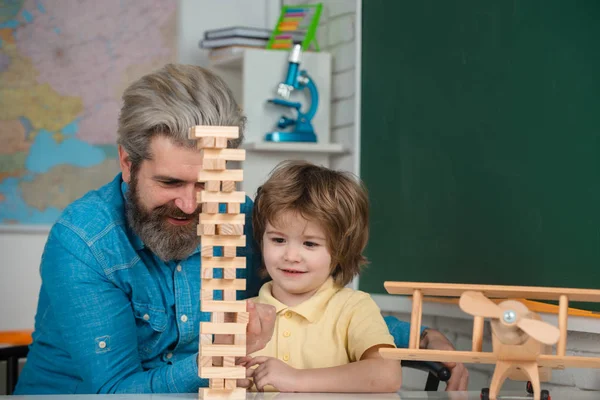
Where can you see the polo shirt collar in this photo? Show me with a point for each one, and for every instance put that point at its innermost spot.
(310, 309)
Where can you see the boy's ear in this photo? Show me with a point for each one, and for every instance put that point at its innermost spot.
(125, 164)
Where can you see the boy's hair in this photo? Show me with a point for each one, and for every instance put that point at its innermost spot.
(337, 201)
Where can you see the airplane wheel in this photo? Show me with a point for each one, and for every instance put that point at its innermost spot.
(545, 395)
(485, 394)
(529, 387)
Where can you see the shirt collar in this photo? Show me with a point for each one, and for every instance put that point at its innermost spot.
(310, 309)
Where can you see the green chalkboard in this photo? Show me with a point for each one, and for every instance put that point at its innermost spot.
(480, 141)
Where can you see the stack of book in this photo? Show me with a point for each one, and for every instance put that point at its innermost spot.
(236, 36)
(241, 36)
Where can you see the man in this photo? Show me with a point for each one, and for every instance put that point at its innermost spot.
(118, 309)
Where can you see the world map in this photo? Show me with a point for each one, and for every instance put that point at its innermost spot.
(63, 67)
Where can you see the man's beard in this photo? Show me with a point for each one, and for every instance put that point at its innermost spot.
(167, 241)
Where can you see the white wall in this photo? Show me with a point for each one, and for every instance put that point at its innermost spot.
(20, 255)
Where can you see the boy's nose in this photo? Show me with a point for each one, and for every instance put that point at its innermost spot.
(292, 254)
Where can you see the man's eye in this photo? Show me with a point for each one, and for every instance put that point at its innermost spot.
(170, 183)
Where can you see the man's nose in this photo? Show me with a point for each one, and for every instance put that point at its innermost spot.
(186, 201)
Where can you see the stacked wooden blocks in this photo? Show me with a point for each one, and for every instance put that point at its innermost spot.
(229, 317)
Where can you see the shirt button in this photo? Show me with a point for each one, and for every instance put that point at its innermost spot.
(286, 334)
(286, 357)
(169, 356)
(184, 318)
(146, 317)
(102, 344)
(288, 314)
(179, 268)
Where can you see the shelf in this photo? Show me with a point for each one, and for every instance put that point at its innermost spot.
(297, 147)
(233, 61)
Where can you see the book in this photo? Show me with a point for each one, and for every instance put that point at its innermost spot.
(233, 41)
(238, 31)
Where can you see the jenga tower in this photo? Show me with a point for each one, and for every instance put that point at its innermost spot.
(225, 230)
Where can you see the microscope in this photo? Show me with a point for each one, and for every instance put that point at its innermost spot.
(301, 127)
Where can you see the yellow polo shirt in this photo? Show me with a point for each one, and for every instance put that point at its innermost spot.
(334, 327)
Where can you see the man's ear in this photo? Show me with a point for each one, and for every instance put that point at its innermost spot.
(125, 164)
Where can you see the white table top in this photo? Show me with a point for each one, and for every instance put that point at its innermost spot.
(574, 394)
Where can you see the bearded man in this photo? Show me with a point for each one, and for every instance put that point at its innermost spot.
(119, 305)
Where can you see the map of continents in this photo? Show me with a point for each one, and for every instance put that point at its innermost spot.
(63, 67)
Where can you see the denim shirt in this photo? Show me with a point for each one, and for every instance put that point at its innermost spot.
(114, 318)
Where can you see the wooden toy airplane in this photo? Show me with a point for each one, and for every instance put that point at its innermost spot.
(521, 341)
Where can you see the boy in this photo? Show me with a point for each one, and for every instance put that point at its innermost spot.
(312, 226)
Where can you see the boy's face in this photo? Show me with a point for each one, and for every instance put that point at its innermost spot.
(296, 257)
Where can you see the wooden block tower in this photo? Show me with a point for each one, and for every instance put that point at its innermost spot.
(229, 317)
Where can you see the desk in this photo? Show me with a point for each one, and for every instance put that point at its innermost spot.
(574, 395)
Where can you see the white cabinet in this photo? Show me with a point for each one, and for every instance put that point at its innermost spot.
(253, 75)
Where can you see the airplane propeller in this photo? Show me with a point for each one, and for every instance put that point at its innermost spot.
(475, 303)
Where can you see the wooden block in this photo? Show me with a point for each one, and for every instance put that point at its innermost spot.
(210, 208)
(223, 154)
(229, 251)
(217, 317)
(224, 350)
(214, 383)
(207, 229)
(222, 262)
(239, 241)
(223, 284)
(230, 229)
(220, 142)
(236, 175)
(230, 384)
(223, 306)
(207, 251)
(229, 274)
(240, 339)
(224, 372)
(205, 362)
(229, 362)
(201, 131)
(238, 219)
(214, 164)
(223, 328)
(233, 208)
(220, 197)
(242, 318)
(206, 142)
(213, 186)
(206, 294)
(222, 394)
(228, 186)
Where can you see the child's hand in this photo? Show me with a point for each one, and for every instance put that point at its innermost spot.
(274, 372)
(244, 383)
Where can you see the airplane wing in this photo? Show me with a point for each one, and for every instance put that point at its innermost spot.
(469, 357)
(474, 357)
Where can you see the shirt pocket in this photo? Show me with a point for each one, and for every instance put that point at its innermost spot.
(151, 323)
